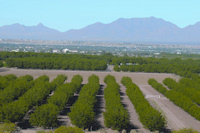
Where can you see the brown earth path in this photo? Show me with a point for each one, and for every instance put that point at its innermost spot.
(139, 78)
(177, 118)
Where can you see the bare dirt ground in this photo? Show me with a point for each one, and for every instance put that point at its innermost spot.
(176, 117)
(139, 78)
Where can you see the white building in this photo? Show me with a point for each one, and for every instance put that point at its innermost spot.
(56, 51)
(65, 50)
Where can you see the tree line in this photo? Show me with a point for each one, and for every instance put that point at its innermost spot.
(184, 67)
(73, 63)
(53, 61)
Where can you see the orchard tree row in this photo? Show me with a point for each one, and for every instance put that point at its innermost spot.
(16, 110)
(178, 98)
(16, 89)
(191, 93)
(149, 117)
(6, 80)
(157, 86)
(82, 112)
(115, 116)
(189, 83)
(46, 114)
(1, 63)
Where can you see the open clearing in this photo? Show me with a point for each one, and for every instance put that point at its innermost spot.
(176, 117)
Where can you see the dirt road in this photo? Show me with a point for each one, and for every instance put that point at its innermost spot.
(177, 118)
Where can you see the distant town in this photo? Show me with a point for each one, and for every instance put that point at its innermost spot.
(97, 48)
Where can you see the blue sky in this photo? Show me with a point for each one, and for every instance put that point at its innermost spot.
(75, 14)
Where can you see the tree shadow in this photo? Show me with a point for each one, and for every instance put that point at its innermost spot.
(98, 109)
(80, 88)
(122, 93)
(71, 101)
(165, 130)
(130, 126)
(63, 113)
(25, 124)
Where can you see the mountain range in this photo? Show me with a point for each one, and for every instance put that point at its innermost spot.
(139, 30)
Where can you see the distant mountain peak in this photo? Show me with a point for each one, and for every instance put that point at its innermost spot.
(139, 30)
(40, 25)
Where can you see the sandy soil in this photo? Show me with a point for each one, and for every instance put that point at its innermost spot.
(177, 118)
(138, 78)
